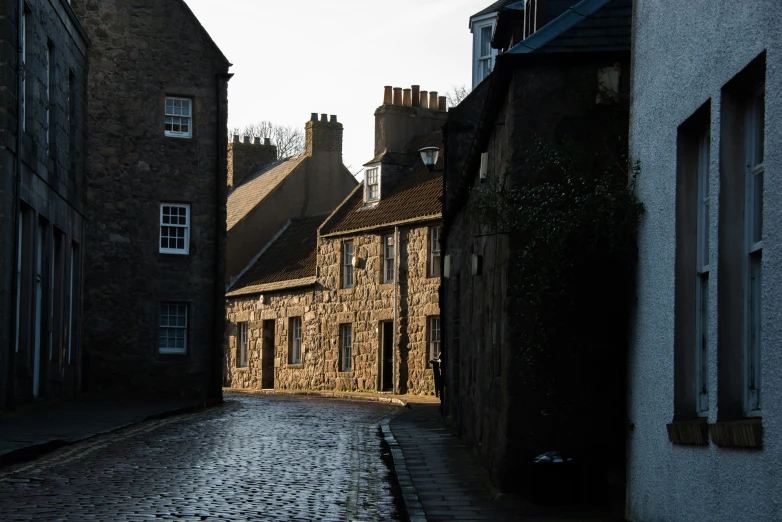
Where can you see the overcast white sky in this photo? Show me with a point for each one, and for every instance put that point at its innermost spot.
(295, 57)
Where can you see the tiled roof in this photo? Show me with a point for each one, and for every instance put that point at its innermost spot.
(292, 255)
(246, 196)
(590, 25)
(415, 197)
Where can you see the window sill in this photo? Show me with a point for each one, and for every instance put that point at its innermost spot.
(294, 366)
(346, 291)
(344, 372)
(693, 432)
(241, 368)
(745, 433)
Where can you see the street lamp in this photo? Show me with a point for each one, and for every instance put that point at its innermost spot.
(429, 156)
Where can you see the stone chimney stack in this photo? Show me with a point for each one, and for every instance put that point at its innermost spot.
(323, 136)
(406, 113)
(247, 157)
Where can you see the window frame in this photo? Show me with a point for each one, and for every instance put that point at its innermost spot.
(168, 350)
(294, 336)
(433, 342)
(372, 173)
(702, 275)
(389, 263)
(346, 347)
(177, 251)
(181, 118)
(484, 62)
(753, 255)
(434, 255)
(243, 345)
(348, 274)
(23, 30)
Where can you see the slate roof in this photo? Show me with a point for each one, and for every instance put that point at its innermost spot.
(290, 257)
(415, 197)
(588, 26)
(256, 187)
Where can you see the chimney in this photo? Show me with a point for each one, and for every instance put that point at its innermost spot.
(432, 100)
(387, 95)
(323, 136)
(416, 95)
(397, 96)
(248, 157)
(407, 101)
(424, 101)
(442, 103)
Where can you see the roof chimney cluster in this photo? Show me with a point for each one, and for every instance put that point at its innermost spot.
(255, 140)
(323, 117)
(414, 97)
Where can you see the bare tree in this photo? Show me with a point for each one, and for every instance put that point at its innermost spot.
(289, 140)
(456, 94)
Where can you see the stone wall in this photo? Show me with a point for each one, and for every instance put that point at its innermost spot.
(45, 181)
(326, 306)
(144, 51)
(247, 158)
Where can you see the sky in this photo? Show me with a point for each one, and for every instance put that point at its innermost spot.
(292, 58)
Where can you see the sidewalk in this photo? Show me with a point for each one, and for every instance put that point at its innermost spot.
(441, 480)
(33, 430)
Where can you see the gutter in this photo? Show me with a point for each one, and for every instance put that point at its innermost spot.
(396, 305)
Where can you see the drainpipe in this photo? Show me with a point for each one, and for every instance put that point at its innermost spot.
(218, 328)
(17, 194)
(396, 303)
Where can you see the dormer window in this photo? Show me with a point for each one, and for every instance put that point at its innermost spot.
(372, 185)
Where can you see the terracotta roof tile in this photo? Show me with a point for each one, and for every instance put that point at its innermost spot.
(292, 255)
(246, 196)
(416, 196)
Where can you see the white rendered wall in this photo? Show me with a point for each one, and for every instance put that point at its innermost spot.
(683, 53)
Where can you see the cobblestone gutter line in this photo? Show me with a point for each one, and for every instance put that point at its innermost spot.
(375, 397)
(413, 506)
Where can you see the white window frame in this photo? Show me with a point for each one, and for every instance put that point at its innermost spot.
(346, 347)
(177, 116)
(181, 309)
(372, 177)
(242, 345)
(434, 251)
(294, 340)
(389, 261)
(702, 278)
(753, 233)
(485, 62)
(179, 226)
(348, 253)
(433, 341)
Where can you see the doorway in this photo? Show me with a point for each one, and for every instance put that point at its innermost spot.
(267, 355)
(387, 356)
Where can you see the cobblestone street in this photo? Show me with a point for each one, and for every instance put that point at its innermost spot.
(254, 458)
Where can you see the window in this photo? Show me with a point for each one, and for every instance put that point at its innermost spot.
(388, 259)
(702, 278)
(294, 340)
(173, 328)
(434, 340)
(49, 91)
(485, 58)
(20, 235)
(373, 184)
(347, 264)
(754, 128)
(174, 228)
(434, 252)
(241, 353)
(23, 37)
(345, 347)
(179, 117)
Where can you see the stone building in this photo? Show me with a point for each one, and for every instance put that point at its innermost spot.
(43, 87)
(265, 194)
(705, 372)
(155, 200)
(349, 301)
(545, 86)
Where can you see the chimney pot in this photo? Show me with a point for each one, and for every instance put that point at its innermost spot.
(314, 116)
(256, 140)
(387, 95)
(442, 104)
(424, 102)
(246, 139)
(267, 141)
(416, 96)
(333, 118)
(397, 96)
(324, 117)
(235, 138)
(432, 100)
(406, 100)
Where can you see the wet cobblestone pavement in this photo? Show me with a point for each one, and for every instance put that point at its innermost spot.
(254, 458)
